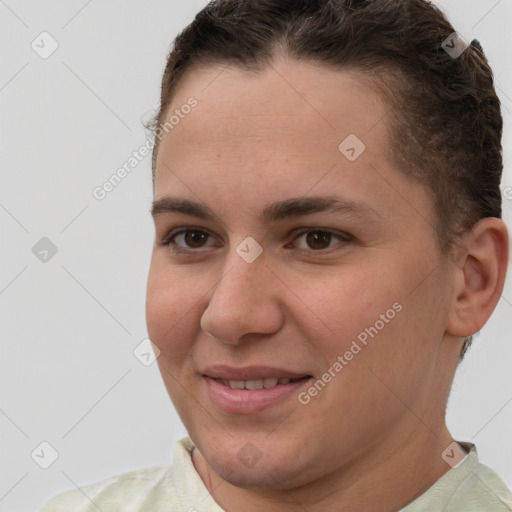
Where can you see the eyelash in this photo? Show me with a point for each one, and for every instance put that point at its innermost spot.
(168, 239)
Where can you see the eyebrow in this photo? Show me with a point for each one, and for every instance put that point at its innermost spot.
(293, 207)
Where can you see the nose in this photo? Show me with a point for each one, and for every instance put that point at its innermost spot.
(244, 301)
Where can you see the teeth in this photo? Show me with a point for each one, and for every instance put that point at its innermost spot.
(254, 384)
(237, 384)
(268, 382)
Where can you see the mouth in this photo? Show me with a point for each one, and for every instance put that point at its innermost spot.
(251, 390)
(254, 384)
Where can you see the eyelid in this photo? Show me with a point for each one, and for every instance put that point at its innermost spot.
(343, 236)
(340, 234)
(166, 240)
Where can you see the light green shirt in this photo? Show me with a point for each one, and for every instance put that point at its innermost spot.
(177, 487)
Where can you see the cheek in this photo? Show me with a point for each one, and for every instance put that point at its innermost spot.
(169, 310)
(389, 339)
(341, 303)
(371, 319)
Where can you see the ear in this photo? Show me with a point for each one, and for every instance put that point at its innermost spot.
(480, 272)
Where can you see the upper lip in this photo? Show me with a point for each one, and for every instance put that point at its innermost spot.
(250, 372)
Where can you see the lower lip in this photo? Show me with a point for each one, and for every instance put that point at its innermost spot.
(243, 401)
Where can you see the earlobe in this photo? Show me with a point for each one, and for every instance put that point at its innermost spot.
(479, 277)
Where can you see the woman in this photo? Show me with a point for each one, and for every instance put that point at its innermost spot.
(328, 239)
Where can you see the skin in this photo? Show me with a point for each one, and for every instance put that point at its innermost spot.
(372, 438)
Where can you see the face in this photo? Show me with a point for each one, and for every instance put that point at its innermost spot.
(302, 260)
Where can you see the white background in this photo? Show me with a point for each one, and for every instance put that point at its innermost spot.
(69, 326)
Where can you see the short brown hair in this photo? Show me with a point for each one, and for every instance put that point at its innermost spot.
(445, 121)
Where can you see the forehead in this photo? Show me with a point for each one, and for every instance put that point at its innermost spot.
(290, 110)
(283, 130)
(304, 99)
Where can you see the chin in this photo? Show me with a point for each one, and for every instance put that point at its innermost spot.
(244, 465)
(271, 475)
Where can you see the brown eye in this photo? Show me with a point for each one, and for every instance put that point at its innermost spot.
(320, 239)
(186, 240)
(195, 239)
